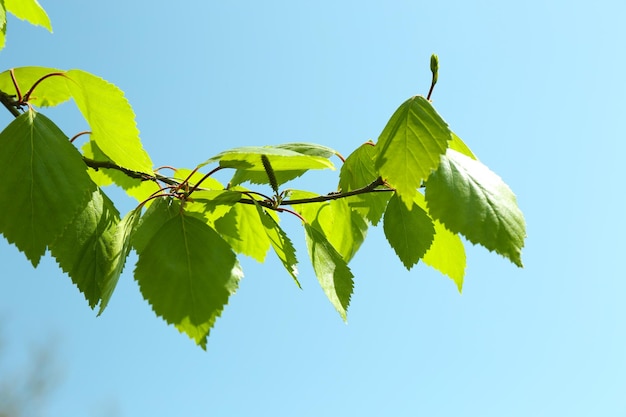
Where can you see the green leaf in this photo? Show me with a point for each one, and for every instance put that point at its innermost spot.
(216, 197)
(312, 149)
(243, 229)
(159, 212)
(49, 92)
(409, 231)
(358, 171)
(256, 177)
(470, 199)
(121, 249)
(44, 181)
(111, 119)
(30, 11)
(344, 228)
(186, 271)
(249, 158)
(3, 26)
(331, 270)
(282, 245)
(94, 247)
(410, 146)
(134, 187)
(303, 156)
(212, 205)
(458, 145)
(86, 248)
(103, 105)
(446, 254)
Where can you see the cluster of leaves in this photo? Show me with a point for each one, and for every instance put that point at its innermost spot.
(419, 179)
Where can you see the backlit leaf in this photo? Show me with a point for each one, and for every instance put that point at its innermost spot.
(410, 146)
(331, 270)
(410, 232)
(305, 148)
(134, 187)
(254, 175)
(282, 245)
(44, 183)
(243, 229)
(446, 254)
(257, 177)
(86, 248)
(344, 228)
(249, 158)
(458, 145)
(161, 210)
(51, 91)
(121, 249)
(470, 199)
(111, 119)
(186, 271)
(106, 110)
(30, 11)
(3, 27)
(358, 171)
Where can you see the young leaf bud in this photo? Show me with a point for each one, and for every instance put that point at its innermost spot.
(434, 67)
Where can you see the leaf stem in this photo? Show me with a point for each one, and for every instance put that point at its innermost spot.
(281, 210)
(16, 85)
(76, 136)
(213, 171)
(29, 92)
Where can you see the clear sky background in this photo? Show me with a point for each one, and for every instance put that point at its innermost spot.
(535, 88)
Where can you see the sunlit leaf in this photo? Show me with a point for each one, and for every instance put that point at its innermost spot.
(51, 91)
(447, 253)
(111, 119)
(3, 27)
(134, 187)
(282, 176)
(357, 172)
(86, 248)
(186, 271)
(212, 204)
(344, 228)
(44, 183)
(470, 199)
(249, 158)
(153, 219)
(331, 270)
(312, 149)
(244, 231)
(410, 146)
(106, 110)
(121, 249)
(410, 232)
(458, 145)
(257, 177)
(30, 11)
(282, 245)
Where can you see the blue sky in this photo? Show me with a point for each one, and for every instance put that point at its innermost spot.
(536, 90)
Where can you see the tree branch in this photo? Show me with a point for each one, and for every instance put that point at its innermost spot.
(370, 188)
(128, 172)
(9, 102)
